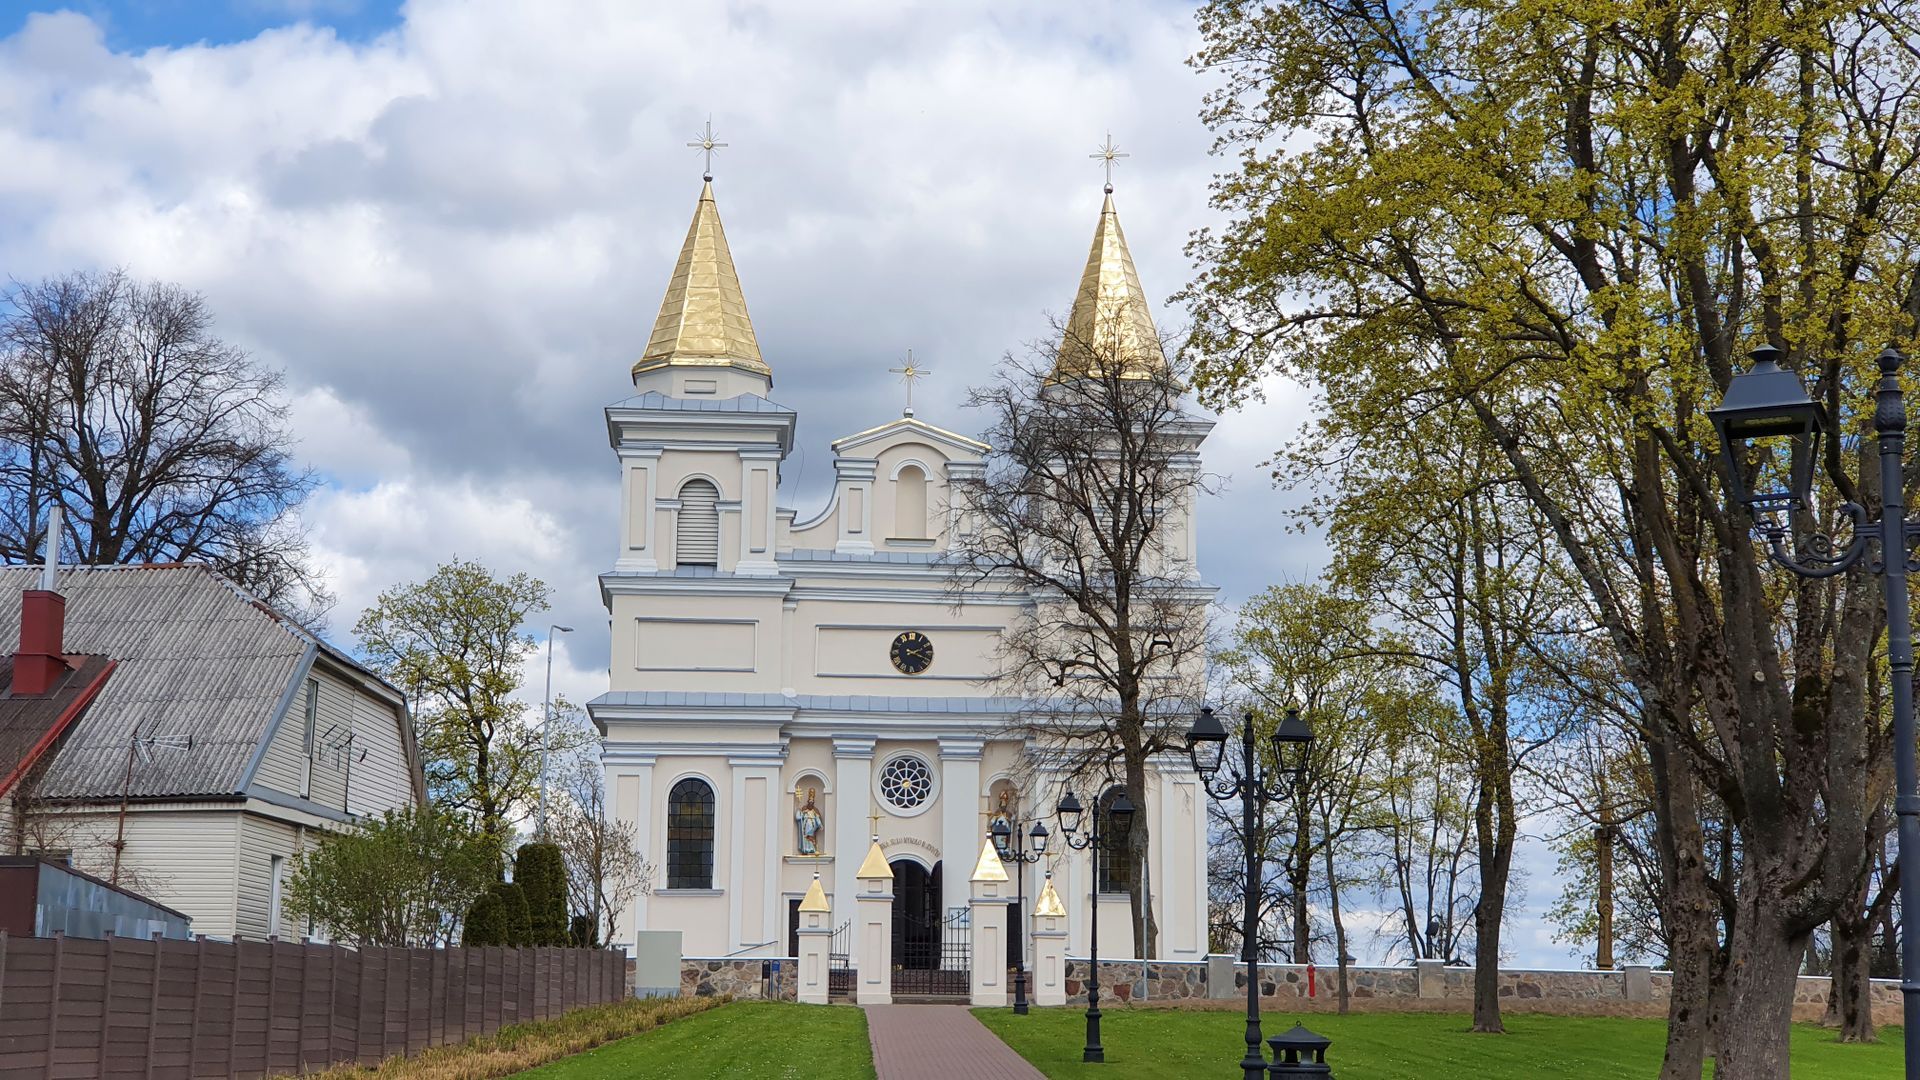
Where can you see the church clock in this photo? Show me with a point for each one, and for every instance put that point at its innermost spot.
(912, 652)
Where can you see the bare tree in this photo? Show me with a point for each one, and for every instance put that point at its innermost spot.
(162, 442)
(605, 871)
(1086, 506)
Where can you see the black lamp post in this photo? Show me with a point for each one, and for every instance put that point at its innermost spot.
(1767, 404)
(1207, 746)
(1008, 842)
(1122, 813)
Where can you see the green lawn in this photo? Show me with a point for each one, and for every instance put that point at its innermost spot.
(1396, 1046)
(757, 1039)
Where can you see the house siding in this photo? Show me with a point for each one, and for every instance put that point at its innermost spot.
(280, 766)
(382, 780)
(182, 857)
(261, 838)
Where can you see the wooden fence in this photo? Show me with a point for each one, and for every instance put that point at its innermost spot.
(124, 1007)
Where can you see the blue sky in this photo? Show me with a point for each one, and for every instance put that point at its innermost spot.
(135, 25)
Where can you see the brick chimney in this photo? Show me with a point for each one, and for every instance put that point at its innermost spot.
(43, 621)
(43, 626)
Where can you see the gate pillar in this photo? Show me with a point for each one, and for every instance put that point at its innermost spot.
(989, 922)
(1049, 947)
(816, 939)
(873, 929)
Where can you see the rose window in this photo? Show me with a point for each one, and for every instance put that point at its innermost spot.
(906, 782)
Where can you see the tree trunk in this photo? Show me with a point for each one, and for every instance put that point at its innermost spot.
(1762, 975)
(1692, 934)
(1486, 951)
(1339, 930)
(1139, 904)
(1603, 898)
(1850, 1001)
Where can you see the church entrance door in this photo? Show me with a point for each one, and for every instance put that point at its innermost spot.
(931, 949)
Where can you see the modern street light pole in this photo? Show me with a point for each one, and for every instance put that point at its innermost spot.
(1206, 746)
(1769, 402)
(546, 723)
(1012, 847)
(1122, 812)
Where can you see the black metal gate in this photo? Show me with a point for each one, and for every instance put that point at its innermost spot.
(840, 972)
(932, 956)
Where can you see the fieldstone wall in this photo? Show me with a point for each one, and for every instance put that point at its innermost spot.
(1221, 982)
(747, 979)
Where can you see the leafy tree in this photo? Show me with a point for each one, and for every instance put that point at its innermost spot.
(454, 644)
(1564, 225)
(403, 878)
(1081, 507)
(542, 877)
(159, 441)
(500, 916)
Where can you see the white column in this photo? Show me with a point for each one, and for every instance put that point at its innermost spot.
(638, 504)
(629, 780)
(852, 790)
(961, 825)
(873, 930)
(1049, 948)
(816, 940)
(758, 480)
(753, 881)
(988, 922)
(855, 477)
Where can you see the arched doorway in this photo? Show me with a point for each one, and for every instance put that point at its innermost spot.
(916, 915)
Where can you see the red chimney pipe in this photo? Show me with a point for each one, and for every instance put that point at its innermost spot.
(43, 623)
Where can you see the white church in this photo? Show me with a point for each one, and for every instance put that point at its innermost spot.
(786, 689)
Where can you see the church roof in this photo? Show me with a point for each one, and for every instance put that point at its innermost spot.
(1111, 320)
(743, 403)
(703, 319)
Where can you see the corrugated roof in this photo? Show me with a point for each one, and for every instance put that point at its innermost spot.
(25, 721)
(197, 657)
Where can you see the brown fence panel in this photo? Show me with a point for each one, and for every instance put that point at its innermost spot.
(130, 1008)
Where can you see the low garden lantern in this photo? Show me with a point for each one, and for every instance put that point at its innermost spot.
(1299, 1053)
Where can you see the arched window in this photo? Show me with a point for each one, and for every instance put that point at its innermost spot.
(690, 835)
(697, 540)
(910, 503)
(1116, 856)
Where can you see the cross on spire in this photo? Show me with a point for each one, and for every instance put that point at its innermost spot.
(908, 374)
(1108, 152)
(707, 146)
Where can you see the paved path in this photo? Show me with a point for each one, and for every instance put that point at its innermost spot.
(929, 1042)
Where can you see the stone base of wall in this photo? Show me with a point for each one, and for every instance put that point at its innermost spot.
(746, 979)
(1189, 984)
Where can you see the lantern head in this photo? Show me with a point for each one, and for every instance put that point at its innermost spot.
(1206, 744)
(1767, 422)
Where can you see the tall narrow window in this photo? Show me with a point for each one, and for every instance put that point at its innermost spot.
(690, 835)
(1116, 855)
(697, 540)
(311, 720)
(277, 870)
(910, 503)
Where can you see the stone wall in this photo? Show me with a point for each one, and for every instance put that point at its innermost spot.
(1221, 981)
(747, 979)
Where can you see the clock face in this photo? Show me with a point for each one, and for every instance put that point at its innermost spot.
(912, 652)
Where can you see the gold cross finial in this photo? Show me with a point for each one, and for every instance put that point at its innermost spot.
(1108, 152)
(908, 374)
(875, 819)
(707, 146)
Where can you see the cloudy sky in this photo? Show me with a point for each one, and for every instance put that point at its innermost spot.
(451, 223)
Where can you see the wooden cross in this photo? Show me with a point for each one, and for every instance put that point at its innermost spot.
(1108, 152)
(707, 146)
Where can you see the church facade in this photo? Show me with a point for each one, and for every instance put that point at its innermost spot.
(787, 690)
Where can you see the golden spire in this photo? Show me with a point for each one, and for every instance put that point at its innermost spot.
(703, 320)
(989, 868)
(875, 865)
(1111, 321)
(816, 898)
(1049, 900)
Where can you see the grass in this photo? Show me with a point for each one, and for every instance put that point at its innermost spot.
(1397, 1046)
(758, 1039)
(522, 1046)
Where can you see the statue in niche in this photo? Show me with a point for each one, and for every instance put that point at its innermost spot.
(812, 826)
(1002, 815)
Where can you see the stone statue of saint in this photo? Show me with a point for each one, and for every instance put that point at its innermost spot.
(1002, 815)
(811, 825)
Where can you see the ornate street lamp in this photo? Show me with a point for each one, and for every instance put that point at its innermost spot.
(1292, 742)
(1762, 407)
(1007, 841)
(1121, 812)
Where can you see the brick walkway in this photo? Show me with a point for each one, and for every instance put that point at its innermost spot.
(929, 1042)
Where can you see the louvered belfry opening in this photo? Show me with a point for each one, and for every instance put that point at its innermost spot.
(697, 537)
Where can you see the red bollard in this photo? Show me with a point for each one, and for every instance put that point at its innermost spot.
(1309, 980)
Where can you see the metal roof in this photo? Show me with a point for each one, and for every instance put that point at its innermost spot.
(197, 657)
(744, 403)
(696, 699)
